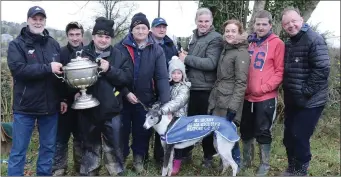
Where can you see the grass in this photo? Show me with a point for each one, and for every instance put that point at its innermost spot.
(325, 147)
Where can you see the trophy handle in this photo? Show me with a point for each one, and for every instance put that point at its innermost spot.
(99, 71)
(59, 77)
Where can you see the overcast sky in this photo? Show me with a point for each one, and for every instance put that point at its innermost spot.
(178, 14)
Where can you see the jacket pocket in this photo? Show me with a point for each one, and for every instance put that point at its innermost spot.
(32, 98)
(223, 97)
(254, 85)
(209, 77)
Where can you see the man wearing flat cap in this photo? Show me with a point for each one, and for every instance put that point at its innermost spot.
(34, 59)
(104, 120)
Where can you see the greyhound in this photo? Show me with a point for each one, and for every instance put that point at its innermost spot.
(161, 124)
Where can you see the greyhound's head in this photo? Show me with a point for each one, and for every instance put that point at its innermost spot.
(152, 118)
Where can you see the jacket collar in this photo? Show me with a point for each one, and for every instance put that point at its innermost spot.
(130, 41)
(167, 40)
(90, 49)
(71, 48)
(30, 38)
(305, 27)
(197, 34)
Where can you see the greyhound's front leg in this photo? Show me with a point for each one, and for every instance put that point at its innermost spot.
(170, 163)
(168, 149)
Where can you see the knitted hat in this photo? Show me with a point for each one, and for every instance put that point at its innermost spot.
(104, 26)
(137, 19)
(174, 64)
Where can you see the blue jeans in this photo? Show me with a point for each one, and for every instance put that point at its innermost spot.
(23, 126)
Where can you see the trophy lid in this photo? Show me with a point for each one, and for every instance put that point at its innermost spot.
(79, 63)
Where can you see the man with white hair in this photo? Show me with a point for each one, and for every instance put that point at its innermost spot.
(34, 59)
(201, 61)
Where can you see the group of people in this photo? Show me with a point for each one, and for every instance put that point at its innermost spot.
(233, 75)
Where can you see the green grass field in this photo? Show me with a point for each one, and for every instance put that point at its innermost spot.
(325, 147)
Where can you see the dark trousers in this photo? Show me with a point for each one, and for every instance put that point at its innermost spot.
(67, 125)
(198, 105)
(133, 117)
(257, 120)
(110, 131)
(299, 125)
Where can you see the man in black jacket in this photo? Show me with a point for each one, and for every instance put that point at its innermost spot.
(34, 59)
(67, 123)
(305, 84)
(105, 118)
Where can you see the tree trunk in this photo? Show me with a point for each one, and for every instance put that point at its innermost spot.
(246, 12)
(257, 6)
(310, 6)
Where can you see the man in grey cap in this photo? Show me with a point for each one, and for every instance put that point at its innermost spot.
(159, 34)
(34, 59)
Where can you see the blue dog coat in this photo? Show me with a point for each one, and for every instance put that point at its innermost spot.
(195, 127)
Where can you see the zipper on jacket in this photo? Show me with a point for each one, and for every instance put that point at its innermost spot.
(46, 96)
(22, 95)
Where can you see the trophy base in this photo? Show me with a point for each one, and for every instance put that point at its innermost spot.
(85, 102)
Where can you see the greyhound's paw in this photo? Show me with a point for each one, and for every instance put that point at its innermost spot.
(170, 171)
(223, 171)
(164, 171)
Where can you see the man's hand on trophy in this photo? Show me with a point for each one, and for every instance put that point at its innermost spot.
(132, 98)
(56, 67)
(63, 107)
(104, 65)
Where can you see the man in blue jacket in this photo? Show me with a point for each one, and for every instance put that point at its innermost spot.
(305, 85)
(34, 59)
(159, 34)
(150, 76)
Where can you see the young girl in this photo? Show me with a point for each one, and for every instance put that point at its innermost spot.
(177, 107)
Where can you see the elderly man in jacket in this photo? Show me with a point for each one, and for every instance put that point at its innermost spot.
(201, 61)
(305, 85)
(150, 77)
(34, 59)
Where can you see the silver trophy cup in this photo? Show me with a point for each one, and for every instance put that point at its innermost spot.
(81, 73)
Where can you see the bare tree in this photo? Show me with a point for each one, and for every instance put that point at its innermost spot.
(120, 12)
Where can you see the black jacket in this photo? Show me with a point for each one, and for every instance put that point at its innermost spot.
(36, 89)
(119, 75)
(306, 70)
(66, 54)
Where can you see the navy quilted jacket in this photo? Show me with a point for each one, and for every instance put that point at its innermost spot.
(306, 70)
